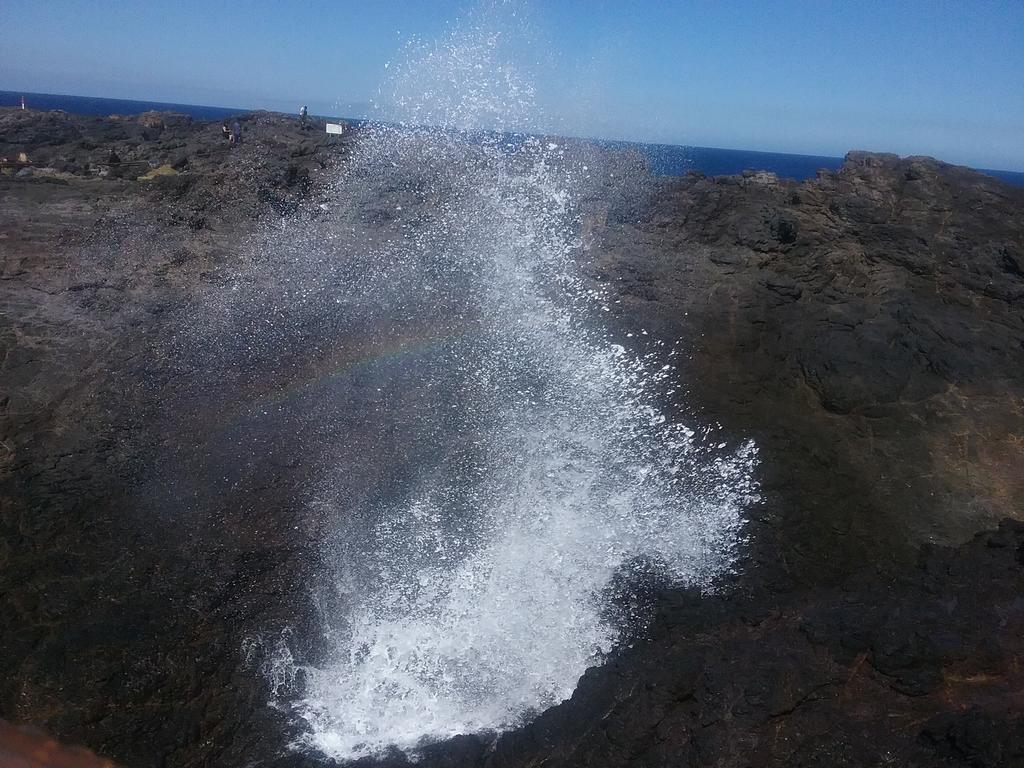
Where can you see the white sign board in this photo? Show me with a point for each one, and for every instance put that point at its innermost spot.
(335, 128)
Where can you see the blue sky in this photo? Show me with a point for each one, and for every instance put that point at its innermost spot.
(817, 77)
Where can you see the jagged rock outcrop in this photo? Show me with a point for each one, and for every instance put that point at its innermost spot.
(864, 327)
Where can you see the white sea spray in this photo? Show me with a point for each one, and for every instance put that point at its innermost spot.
(479, 596)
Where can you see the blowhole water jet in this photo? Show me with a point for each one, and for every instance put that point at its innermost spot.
(478, 589)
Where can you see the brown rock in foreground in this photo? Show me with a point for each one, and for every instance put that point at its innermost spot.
(26, 748)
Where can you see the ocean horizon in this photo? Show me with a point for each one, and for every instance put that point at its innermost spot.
(664, 159)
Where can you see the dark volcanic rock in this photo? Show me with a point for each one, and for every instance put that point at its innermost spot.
(125, 624)
(864, 328)
(870, 345)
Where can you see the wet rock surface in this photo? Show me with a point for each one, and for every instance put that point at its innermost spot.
(864, 328)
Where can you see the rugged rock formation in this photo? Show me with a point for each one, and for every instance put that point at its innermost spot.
(864, 328)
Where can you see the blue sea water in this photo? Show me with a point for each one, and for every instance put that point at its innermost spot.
(665, 159)
(88, 105)
(674, 160)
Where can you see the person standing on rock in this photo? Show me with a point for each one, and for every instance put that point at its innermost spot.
(236, 133)
(303, 112)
